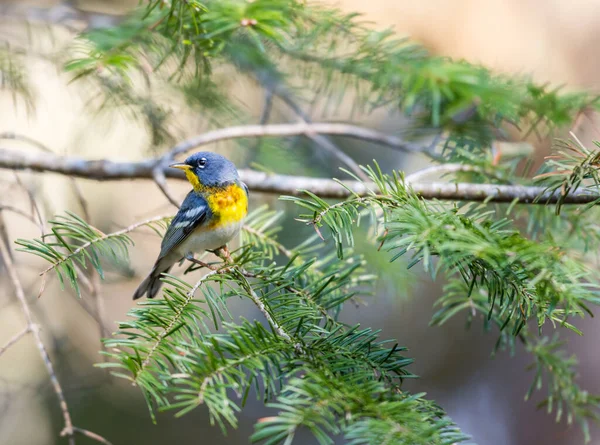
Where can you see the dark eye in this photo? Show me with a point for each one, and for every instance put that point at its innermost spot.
(202, 162)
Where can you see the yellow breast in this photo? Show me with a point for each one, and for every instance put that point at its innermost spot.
(228, 205)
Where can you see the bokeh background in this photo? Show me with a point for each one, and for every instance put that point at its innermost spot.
(554, 41)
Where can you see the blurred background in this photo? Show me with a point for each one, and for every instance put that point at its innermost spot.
(555, 41)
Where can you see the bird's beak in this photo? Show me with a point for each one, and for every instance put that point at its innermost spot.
(181, 166)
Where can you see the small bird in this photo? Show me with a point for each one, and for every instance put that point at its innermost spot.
(209, 217)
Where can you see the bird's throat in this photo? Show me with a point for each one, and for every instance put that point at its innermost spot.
(193, 179)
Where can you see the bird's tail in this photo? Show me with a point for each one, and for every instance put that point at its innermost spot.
(152, 283)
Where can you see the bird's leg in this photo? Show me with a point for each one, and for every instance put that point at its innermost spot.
(190, 258)
(223, 252)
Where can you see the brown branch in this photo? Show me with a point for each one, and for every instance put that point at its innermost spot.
(18, 336)
(104, 170)
(34, 328)
(319, 139)
(441, 169)
(161, 182)
(17, 211)
(306, 129)
(91, 435)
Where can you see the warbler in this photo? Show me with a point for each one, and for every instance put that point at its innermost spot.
(209, 217)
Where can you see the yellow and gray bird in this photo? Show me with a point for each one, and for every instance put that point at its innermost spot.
(209, 217)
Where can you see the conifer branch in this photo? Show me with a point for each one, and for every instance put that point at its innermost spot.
(175, 320)
(101, 237)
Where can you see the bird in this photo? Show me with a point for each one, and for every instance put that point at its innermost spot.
(211, 214)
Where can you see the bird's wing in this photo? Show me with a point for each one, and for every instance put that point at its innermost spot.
(194, 211)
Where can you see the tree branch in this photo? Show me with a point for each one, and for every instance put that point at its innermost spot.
(91, 435)
(304, 128)
(104, 170)
(101, 237)
(18, 336)
(319, 139)
(35, 330)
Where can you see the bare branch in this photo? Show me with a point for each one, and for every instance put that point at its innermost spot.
(306, 129)
(17, 211)
(34, 328)
(35, 209)
(9, 135)
(319, 139)
(91, 435)
(81, 199)
(18, 336)
(161, 181)
(441, 170)
(103, 170)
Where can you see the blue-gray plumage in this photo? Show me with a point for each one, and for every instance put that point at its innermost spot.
(208, 218)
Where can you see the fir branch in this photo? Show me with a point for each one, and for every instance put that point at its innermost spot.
(572, 167)
(371, 413)
(564, 394)
(528, 279)
(72, 241)
(552, 367)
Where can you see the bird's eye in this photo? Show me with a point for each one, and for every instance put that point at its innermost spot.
(202, 162)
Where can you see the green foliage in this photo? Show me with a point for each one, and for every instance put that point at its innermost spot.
(372, 413)
(170, 351)
(491, 268)
(293, 46)
(512, 266)
(572, 167)
(564, 394)
(73, 243)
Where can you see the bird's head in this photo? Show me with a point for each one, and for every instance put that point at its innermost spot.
(206, 170)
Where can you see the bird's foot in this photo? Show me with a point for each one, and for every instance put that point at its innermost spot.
(223, 253)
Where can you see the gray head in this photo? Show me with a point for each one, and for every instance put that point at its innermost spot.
(207, 169)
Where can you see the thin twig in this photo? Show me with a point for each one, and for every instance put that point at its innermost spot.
(245, 131)
(34, 207)
(37, 144)
(319, 139)
(100, 238)
(99, 303)
(267, 107)
(284, 184)
(14, 339)
(34, 328)
(20, 212)
(91, 435)
(9, 135)
(265, 114)
(441, 170)
(80, 199)
(261, 305)
(288, 253)
(227, 268)
(174, 321)
(161, 181)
